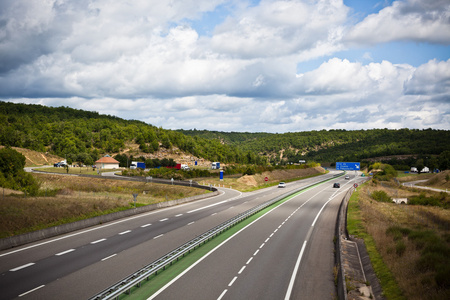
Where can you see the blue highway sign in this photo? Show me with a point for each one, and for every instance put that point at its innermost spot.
(347, 166)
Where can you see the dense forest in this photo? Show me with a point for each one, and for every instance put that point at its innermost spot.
(83, 135)
(432, 146)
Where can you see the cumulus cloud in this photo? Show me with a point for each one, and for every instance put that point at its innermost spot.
(432, 78)
(277, 28)
(145, 60)
(411, 20)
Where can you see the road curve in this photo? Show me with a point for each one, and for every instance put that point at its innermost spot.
(286, 254)
(82, 263)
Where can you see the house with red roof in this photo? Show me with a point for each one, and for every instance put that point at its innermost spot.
(107, 162)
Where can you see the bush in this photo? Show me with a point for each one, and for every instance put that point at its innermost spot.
(381, 196)
(398, 232)
(250, 171)
(12, 174)
(422, 199)
(443, 277)
(400, 247)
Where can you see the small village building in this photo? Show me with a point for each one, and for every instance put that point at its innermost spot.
(107, 162)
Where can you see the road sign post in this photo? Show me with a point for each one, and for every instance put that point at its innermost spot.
(135, 196)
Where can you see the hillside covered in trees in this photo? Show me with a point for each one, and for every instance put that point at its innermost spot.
(342, 145)
(83, 134)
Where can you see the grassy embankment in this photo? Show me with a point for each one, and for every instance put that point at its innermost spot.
(65, 199)
(409, 245)
(249, 183)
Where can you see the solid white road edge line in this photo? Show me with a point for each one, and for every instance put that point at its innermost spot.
(294, 274)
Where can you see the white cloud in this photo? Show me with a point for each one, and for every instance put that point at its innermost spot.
(432, 78)
(412, 20)
(277, 28)
(146, 61)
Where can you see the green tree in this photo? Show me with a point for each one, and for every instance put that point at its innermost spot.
(12, 174)
(11, 161)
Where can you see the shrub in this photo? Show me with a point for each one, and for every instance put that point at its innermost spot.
(422, 199)
(443, 276)
(398, 232)
(250, 171)
(400, 247)
(381, 196)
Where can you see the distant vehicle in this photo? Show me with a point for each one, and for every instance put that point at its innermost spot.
(282, 185)
(137, 164)
(336, 185)
(215, 165)
(425, 170)
(347, 177)
(60, 164)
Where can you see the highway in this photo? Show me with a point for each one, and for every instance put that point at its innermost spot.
(82, 263)
(285, 254)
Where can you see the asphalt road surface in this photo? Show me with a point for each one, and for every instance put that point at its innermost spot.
(285, 254)
(81, 264)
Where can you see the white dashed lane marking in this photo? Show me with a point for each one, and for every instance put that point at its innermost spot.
(65, 252)
(22, 267)
(98, 241)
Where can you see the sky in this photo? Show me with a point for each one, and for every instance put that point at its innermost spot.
(233, 65)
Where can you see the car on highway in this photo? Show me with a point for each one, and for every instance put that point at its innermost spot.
(282, 185)
(336, 185)
(347, 177)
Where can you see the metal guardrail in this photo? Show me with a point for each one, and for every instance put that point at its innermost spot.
(135, 279)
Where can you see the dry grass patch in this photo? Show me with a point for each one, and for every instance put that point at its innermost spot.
(251, 182)
(392, 226)
(74, 198)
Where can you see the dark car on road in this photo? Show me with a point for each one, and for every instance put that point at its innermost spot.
(336, 185)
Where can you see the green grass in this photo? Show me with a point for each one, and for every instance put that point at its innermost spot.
(355, 227)
(75, 170)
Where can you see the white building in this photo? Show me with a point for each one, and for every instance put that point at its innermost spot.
(107, 162)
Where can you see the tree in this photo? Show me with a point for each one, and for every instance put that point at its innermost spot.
(11, 161)
(444, 160)
(12, 174)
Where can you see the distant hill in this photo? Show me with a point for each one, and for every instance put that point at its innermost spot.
(80, 134)
(84, 136)
(404, 145)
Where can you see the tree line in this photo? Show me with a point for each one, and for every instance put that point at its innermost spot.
(83, 136)
(428, 146)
